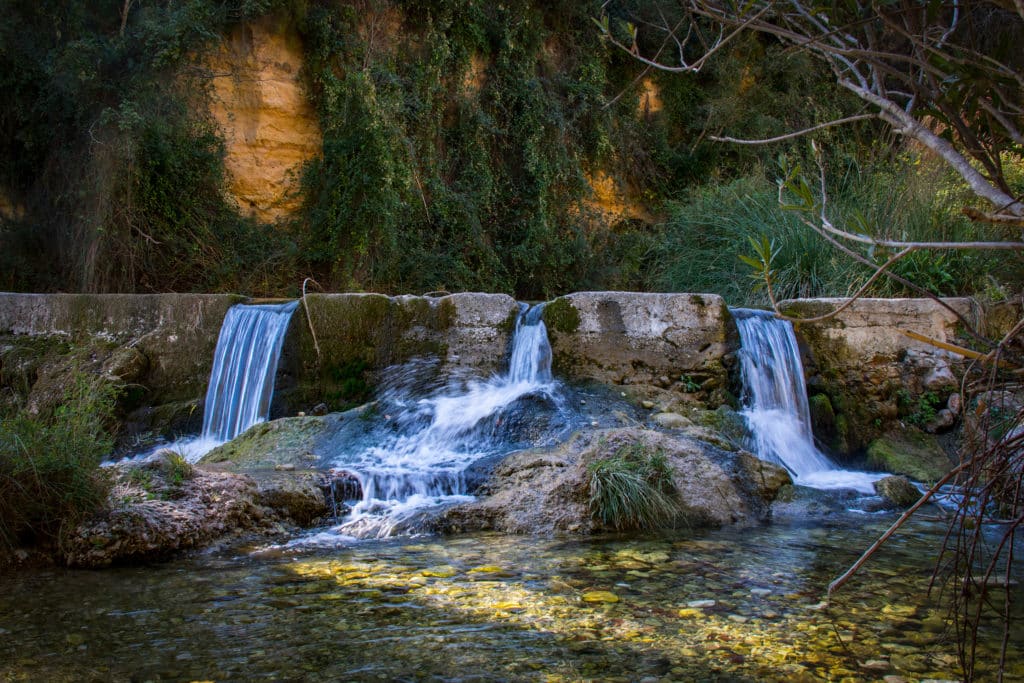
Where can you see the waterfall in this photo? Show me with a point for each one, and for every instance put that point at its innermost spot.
(776, 407)
(435, 439)
(244, 365)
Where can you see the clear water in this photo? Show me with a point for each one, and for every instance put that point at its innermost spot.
(776, 407)
(730, 605)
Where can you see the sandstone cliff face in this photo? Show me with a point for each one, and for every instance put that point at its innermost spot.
(269, 127)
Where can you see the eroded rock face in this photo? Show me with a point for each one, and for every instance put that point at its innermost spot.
(269, 127)
(546, 490)
(679, 342)
(871, 371)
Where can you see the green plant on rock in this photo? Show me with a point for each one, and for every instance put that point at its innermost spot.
(50, 477)
(175, 468)
(632, 489)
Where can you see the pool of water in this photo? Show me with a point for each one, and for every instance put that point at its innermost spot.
(730, 605)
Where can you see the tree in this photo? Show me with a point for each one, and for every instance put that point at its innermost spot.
(947, 73)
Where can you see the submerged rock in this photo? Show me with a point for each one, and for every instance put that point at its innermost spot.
(911, 453)
(547, 490)
(897, 491)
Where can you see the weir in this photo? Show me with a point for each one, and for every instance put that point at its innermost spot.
(776, 406)
(245, 362)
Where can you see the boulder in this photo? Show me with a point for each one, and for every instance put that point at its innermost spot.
(547, 490)
(149, 518)
(897, 491)
(911, 453)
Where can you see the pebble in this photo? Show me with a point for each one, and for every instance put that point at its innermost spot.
(647, 405)
(760, 592)
(600, 596)
(701, 603)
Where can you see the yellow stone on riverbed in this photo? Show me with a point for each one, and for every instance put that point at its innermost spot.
(690, 612)
(442, 572)
(600, 596)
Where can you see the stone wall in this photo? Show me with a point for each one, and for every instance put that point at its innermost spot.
(337, 354)
(680, 342)
(864, 373)
(172, 336)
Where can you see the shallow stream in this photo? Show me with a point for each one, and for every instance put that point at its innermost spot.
(730, 605)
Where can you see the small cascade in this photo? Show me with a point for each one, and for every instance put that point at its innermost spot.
(776, 407)
(244, 365)
(438, 438)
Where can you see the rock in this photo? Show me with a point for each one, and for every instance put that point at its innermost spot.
(897, 491)
(911, 453)
(297, 496)
(274, 444)
(127, 365)
(940, 378)
(671, 421)
(955, 403)
(647, 405)
(943, 420)
(826, 426)
(320, 409)
(547, 490)
(270, 129)
(148, 518)
(599, 596)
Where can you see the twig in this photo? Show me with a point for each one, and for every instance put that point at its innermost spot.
(309, 318)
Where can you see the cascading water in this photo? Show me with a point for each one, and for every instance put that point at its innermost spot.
(244, 365)
(435, 439)
(775, 404)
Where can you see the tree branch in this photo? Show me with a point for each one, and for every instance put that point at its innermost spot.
(795, 134)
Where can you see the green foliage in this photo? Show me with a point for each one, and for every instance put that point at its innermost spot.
(175, 468)
(919, 411)
(724, 235)
(50, 477)
(632, 489)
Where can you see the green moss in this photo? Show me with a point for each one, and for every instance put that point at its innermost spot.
(911, 453)
(561, 316)
(288, 441)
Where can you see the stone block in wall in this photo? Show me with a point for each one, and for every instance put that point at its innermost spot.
(172, 336)
(337, 353)
(643, 339)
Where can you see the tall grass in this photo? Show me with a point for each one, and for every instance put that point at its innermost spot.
(705, 235)
(50, 477)
(632, 489)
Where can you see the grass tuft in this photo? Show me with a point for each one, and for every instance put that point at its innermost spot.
(632, 489)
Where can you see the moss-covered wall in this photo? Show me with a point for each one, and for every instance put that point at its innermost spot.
(338, 344)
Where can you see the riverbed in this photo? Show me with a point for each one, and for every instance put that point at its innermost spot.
(728, 605)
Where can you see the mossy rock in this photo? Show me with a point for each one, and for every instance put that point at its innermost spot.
(561, 316)
(911, 453)
(827, 426)
(897, 491)
(288, 442)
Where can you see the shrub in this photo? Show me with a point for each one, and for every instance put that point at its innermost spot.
(632, 489)
(50, 477)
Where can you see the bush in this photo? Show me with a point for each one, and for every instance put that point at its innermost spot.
(50, 477)
(632, 489)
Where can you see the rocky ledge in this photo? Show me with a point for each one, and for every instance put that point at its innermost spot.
(548, 490)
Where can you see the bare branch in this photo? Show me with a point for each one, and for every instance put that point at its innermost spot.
(789, 136)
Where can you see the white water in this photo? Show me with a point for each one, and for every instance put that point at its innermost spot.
(776, 408)
(438, 437)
